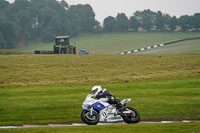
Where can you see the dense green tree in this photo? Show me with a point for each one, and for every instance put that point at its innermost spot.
(159, 21)
(20, 18)
(3, 4)
(134, 23)
(122, 22)
(47, 23)
(98, 28)
(3, 23)
(109, 24)
(172, 23)
(82, 18)
(50, 19)
(185, 22)
(64, 4)
(7, 32)
(138, 16)
(42, 21)
(166, 19)
(17, 6)
(196, 21)
(146, 18)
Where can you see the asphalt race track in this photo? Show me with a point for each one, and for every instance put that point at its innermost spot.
(81, 124)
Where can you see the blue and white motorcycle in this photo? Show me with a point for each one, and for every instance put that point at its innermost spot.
(100, 110)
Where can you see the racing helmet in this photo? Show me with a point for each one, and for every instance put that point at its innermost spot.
(96, 90)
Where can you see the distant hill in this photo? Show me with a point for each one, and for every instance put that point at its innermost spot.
(112, 43)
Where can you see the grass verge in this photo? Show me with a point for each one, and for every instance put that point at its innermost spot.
(155, 100)
(42, 89)
(139, 128)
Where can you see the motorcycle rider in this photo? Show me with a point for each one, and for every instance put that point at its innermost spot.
(104, 93)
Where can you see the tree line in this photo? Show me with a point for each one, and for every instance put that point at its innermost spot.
(36, 20)
(148, 20)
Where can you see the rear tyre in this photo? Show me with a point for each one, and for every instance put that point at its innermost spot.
(90, 119)
(131, 118)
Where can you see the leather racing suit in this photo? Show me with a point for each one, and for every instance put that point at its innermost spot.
(111, 99)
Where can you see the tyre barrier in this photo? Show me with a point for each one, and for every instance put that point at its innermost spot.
(158, 45)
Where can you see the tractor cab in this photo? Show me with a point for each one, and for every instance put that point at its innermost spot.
(62, 40)
(62, 46)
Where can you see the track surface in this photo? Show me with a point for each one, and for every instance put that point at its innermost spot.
(81, 124)
(158, 45)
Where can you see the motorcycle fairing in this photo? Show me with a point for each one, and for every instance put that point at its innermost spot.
(98, 106)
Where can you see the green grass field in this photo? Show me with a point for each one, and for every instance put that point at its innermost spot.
(42, 89)
(93, 69)
(50, 89)
(110, 43)
(155, 100)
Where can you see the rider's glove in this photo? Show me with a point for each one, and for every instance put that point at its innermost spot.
(112, 98)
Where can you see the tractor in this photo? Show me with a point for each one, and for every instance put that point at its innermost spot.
(62, 46)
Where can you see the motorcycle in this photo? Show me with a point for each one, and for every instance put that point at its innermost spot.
(100, 110)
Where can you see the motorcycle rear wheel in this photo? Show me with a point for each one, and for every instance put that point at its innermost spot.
(88, 119)
(135, 118)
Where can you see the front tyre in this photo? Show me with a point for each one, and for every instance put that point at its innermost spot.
(90, 119)
(134, 117)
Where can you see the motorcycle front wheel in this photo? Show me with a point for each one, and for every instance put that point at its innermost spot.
(90, 119)
(131, 118)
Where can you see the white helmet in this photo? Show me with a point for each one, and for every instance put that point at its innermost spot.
(96, 90)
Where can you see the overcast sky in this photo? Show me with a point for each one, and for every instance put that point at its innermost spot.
(104, 8)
